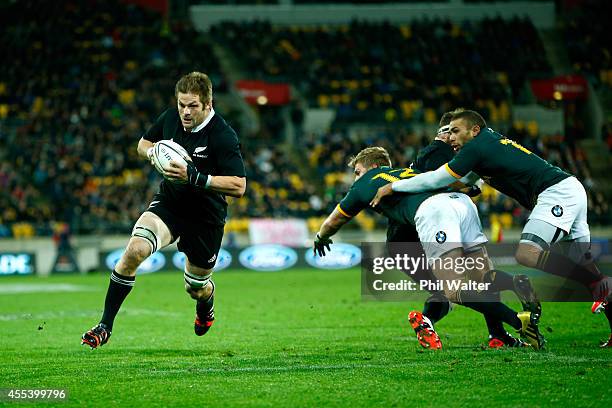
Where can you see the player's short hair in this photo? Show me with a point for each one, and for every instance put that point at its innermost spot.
(445, 120)
(370, 156)
(471, 117)
(196, 83)
(448, 116)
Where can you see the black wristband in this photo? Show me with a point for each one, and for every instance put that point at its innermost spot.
(195, 177)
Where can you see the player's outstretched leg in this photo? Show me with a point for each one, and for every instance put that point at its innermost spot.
(520, 285)
(118, 289)
(524, 322)
(426, 335)
(149, 234)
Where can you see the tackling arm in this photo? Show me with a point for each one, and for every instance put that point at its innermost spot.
(431, 180)
(332, 224)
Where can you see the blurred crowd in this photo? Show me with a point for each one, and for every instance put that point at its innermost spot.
(379, 72)
(82, 87)
(588, 44)
(79, 91)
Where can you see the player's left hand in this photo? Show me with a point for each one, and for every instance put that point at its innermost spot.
(320, 244)
(176, 171)
(380, 194)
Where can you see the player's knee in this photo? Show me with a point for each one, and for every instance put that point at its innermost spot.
(527, 255)
(136, 252)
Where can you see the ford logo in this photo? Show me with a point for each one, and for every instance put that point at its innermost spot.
(153, 263)
(224, 259)
(341, 256)
(268, 257)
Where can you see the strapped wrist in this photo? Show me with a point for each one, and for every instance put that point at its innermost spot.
(196, 178)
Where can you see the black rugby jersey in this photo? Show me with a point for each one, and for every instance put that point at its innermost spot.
(215, 150)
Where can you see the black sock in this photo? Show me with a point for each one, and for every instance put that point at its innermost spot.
(495, 326)
(488, 303)
(503, 281)
(497, 311)
(118, 289)
(205, 308)
(608, 312)
(436, 307)
(559, 265)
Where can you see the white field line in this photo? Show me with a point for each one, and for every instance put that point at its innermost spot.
(338, 367)
(316, 367)
(18, 288)
(84, 313)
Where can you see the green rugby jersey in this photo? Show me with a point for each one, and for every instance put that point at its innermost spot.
(506, 166)
(399, 208)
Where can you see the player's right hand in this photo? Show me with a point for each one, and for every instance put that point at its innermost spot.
(320, 244)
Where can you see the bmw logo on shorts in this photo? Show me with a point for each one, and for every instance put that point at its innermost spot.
(557, 211)
(441, 237)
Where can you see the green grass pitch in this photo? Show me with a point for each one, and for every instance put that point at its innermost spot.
(294, 338)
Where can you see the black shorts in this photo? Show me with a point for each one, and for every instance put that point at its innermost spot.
(199, 241)
(402, 233)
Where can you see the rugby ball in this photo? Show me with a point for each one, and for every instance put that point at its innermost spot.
(166, 151)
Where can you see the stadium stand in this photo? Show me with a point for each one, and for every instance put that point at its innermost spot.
(394, 73)
(80, 92)
(73, 102)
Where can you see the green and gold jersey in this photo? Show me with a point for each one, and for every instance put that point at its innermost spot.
(399, 208)
(506, 166)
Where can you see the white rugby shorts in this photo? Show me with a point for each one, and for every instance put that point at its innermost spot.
(447, 221)
(564, 205)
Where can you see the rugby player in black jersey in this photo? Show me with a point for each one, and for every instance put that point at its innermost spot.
(190, 205)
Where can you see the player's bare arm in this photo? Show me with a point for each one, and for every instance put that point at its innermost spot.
(431, 180)
(333, 223)
(229, 185)
(330, 226)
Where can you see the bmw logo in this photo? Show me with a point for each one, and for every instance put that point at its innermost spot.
(440, 237)
(557, 211)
